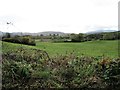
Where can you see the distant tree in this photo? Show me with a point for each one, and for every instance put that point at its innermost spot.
(7, 35)
(57, 35)
(77, 37)
(41, 35)
(16, 36)
(108, 36)
(81, 36)
(50, 35)
(54, 36)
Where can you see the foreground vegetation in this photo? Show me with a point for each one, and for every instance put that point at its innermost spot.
(30, 67)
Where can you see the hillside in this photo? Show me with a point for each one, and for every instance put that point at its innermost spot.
(52, 32)
(100, 31)
(37, 34)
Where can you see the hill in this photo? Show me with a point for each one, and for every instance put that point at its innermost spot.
(37, 34)
(100, 31)
(52, 32)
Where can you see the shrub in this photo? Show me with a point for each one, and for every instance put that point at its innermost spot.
(30, 68)
(21, 40)
(109, 71)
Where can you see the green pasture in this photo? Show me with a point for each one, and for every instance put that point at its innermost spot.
(90, 48)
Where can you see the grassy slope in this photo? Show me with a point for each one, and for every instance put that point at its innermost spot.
(6, 46)
(91, 48)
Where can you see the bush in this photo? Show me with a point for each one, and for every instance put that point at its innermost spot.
(30, 68)
(109, 71)
(8, 39)
(21, 40)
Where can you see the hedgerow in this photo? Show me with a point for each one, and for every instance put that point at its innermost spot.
(20, 40)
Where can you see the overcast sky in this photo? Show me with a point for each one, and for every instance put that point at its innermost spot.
(73, 16)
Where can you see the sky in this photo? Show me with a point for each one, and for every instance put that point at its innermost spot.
(69, 16)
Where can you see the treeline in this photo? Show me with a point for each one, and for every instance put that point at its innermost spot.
(52, 38)
(19, 39)
(81, 37)
(99, 36)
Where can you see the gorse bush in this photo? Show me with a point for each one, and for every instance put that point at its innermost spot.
(33, 68)
(109, 71)
(20, 68)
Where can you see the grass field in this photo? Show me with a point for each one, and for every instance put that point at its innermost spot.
(91, 48)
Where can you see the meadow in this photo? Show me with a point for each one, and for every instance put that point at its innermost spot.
(108, 48)
(90, 48)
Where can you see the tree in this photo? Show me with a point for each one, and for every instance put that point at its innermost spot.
(7, 35)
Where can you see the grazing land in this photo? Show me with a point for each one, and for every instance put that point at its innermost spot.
(90, 48)
(107, 48)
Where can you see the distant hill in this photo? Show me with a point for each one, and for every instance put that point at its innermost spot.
(37, 34)
(52, 32)
(100, 31)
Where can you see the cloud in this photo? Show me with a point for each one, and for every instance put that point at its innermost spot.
(94, 28)
(104, 3)
(58, 15)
